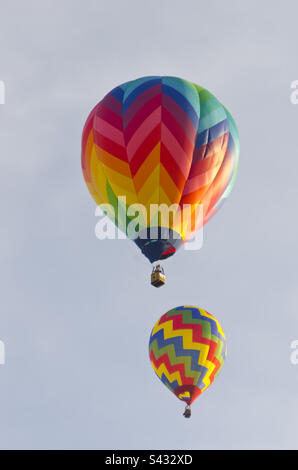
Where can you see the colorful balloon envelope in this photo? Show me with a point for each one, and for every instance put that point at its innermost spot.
(160, 141)
(187, 349)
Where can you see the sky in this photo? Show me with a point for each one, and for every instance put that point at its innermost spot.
(77, 312)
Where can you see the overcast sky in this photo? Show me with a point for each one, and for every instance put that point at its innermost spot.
(76, 312)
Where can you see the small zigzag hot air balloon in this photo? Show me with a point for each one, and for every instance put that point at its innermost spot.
(187, 349)
(160, 141)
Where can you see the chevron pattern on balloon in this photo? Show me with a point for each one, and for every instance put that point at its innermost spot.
(187, 349)
(161, 140)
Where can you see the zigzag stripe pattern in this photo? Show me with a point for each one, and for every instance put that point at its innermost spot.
(187, 349)
(161, 140)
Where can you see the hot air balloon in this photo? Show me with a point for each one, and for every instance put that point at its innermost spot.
(187, 349)
(154, 149)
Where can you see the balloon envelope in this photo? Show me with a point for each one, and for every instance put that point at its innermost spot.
(160, 141)
(187, 349)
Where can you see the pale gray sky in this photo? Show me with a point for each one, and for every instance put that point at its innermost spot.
(76, 312)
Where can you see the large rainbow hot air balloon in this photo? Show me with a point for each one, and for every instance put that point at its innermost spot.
(187, 349)
(159, 142)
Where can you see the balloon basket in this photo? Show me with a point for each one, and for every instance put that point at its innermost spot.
(158, 277)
